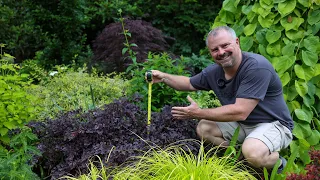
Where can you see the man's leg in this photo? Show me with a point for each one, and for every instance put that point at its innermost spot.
(209, 130)
(258, 154)
(263, 143)
(218, 133)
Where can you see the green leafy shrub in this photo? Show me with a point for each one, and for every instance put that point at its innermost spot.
(17, 162)
(195, 63)
(16, 106)
(161, 93)
(205, 99)
(35, 71)
(68, 90)
(185, 20)
(286, 33)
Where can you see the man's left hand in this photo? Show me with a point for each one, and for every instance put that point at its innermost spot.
(185, 112)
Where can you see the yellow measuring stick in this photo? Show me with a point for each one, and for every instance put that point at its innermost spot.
(149, 102)
(149, 79)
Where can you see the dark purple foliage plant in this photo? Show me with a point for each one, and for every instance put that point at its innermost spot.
(108, 45)
(118, 130)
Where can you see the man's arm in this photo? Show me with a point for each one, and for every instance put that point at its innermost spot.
(239, 111)
(181, 83)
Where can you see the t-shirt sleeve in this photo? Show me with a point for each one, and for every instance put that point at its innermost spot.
(199, 81)
(254, 84)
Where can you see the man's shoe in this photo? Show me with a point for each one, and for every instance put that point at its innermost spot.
(282, 165)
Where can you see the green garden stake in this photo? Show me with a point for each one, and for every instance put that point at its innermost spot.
(149, 79)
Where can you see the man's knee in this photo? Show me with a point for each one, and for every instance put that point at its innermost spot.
(207, 128)
(255, 152)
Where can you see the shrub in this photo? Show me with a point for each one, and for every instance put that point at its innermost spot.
(16, 106)
(16, 162)
(68, 90)
(108, 46)
(68, 142)
(161, 93)
(312, 169)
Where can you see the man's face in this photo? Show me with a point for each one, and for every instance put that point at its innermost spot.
(224, 49)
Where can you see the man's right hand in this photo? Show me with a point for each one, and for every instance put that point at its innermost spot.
(157, 76)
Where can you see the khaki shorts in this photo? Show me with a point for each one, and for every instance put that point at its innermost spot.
(274, 134)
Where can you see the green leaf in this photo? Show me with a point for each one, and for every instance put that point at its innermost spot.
(291, 92)
(261, 37)
(283, 63)
(294, 24)
(133, 44)
(279, 1)
(266, 4)
(230, 5)
(286, 7)
(273, 36)
(288, 49)
(293, 105)
(285, 78)
(304, 72)
(124, 50)
(246, 9)
(311, 43)
(3, 131)
(302, 115)
(246, 43)
(314, 17)
(249, 29)
(305, 3)
(301, 87)
(265, 22)
(295, 35)
(308, 100)
(274, 49)
(226, 17)
(309, 58)
(301, 131)
(263, 52)
(314, 138)
(10, 124)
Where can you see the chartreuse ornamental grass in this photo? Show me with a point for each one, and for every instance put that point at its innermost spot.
(178, 162)
(175, 162)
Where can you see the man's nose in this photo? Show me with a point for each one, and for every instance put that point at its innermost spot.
(220, 51)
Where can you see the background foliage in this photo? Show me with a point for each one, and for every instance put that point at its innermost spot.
(287, 33)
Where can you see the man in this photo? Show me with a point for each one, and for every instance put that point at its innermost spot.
(250, 92)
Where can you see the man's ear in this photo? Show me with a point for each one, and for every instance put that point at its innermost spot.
(237, 41)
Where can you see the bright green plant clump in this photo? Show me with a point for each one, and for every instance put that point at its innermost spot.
(286, 33)
(16, 106)
(70, 90)
(175, 162)
(178, 163)
(161, 94)
(205, 99)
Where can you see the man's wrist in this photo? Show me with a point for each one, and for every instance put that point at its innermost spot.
(164, 80)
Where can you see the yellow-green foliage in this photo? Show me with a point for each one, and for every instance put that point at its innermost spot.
(70, 90)
(15, 103)
(178, 163)
(175, 162)
(205, 99)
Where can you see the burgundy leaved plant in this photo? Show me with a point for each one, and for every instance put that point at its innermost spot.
(312, 169)
(68, 142)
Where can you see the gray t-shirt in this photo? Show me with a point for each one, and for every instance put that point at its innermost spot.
(255, 79)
